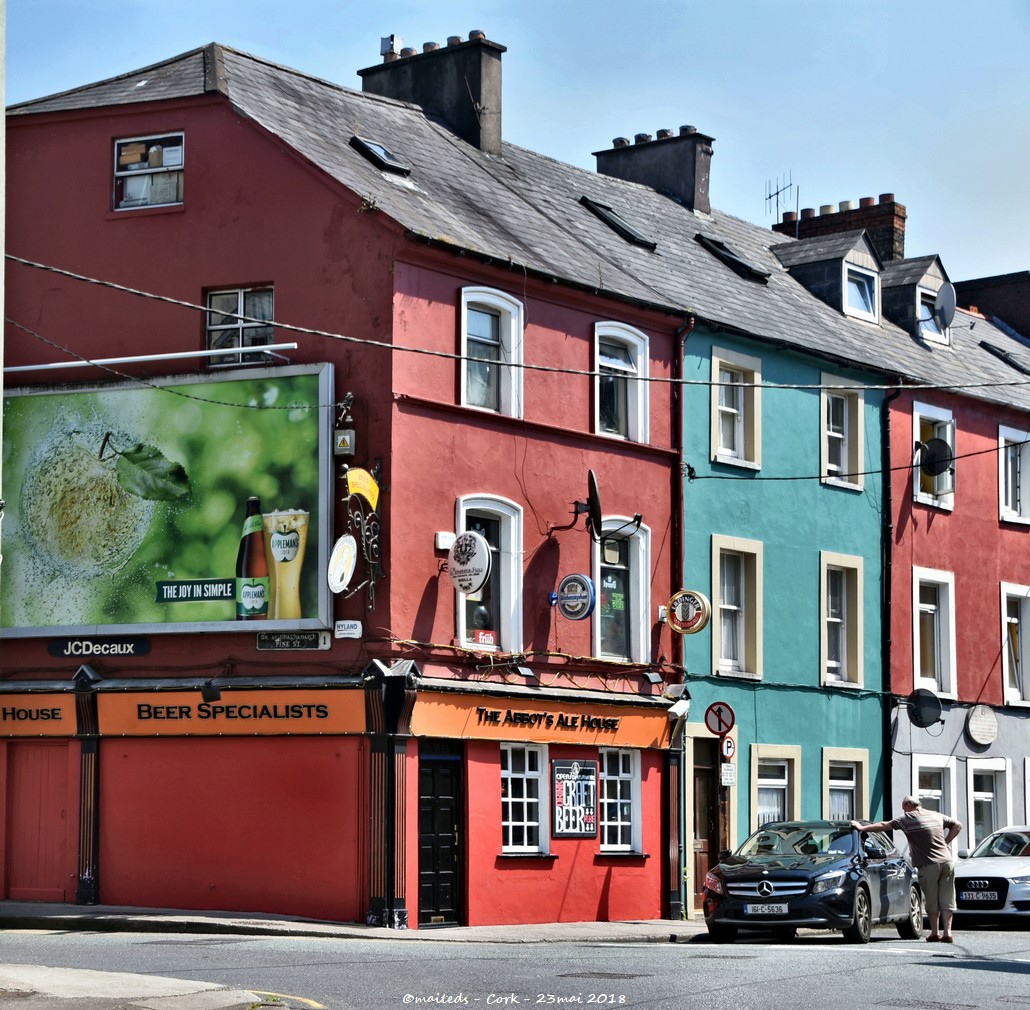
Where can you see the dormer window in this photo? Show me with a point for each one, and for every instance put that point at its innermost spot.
(929, 324)
(377, 153)
(860, 293)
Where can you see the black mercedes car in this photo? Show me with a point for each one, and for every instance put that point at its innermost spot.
(817, 874)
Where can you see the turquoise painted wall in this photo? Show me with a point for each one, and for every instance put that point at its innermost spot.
(794, 519)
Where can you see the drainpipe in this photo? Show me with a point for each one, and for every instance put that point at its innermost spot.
(886, 593)
(679, 567)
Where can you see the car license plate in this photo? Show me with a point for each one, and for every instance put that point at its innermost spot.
(979, 895)
(765, 909)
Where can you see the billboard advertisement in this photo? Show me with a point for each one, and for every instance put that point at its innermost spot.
(184, 503)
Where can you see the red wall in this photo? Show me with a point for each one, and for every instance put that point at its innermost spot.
(263, 824)
(580, 884)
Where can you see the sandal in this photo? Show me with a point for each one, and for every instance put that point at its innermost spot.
(947, 939)
(933, 938)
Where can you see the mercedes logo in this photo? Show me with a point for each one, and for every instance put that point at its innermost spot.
(765, 888)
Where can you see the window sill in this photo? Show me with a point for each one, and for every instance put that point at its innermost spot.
(1017, 703)
(847, 685)
(621, 856)
(1015, 518)
(844, 485)
(744, 464)
(935, 503)
(167, 208)
(738, 674)
(526, 855)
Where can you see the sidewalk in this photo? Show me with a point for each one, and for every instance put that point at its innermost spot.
(40, 988)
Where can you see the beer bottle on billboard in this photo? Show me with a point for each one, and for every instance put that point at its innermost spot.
(252, 592)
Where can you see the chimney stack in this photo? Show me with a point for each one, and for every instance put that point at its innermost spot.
(884, 222)
(459, 82)
(679, 166)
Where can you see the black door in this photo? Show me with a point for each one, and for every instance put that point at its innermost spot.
(440, 809)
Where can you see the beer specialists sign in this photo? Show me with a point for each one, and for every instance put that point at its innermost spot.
(574, 788)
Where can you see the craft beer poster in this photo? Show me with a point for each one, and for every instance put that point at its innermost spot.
(125, 503)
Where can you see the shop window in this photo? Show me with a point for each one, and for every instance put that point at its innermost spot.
(1015, 613)
(491, 617)
(622, 388)
(148, 171)
(842, 447)
(620, 800)
(933, 634)
(1014, 475)
(933, 488)
(736, 403)
(238, 318)
(621, 566)
(524, 808)
(737, 610)
(841, 606)
(491, 351)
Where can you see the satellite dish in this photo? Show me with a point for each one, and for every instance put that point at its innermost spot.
(593, 506)
(924, 708)
(935, 457)
(944, 306)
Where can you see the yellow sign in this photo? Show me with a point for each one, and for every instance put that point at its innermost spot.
(363, 483)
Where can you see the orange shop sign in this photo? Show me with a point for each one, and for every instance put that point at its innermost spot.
(236, 713)
(37, 715)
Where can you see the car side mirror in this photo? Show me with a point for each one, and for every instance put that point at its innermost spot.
(724, 855)
(874, 851)
(963, 853)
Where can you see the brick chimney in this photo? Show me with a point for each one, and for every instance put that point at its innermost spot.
(460, 83)
(679, 166)
(884, 222)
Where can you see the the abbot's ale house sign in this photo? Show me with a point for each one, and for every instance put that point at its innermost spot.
(37, 715)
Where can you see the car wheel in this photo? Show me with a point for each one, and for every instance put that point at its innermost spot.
(862, 927)
(785, 932)
(722, 934)
(911, 927)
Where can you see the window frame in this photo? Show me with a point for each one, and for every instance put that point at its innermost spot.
(751, 552)
(927, 298)
(1001, 797)
(633, 778)
(749, 424)
(791, 757)
(151, 172)
(638, 569)
(636, 344)
(542, 799)
(1012, 693)
(1009, 439)
(942, 421)
(944, 631)
(238, 353)
(509, 556)
(852, 568)
(510, 315)
(856, 758)
(852, 439)
(871, 281)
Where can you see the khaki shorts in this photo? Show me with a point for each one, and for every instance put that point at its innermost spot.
(938, 883)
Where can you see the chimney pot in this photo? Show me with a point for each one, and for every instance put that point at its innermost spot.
(827, 208)
(476, 35)
(807, 212)
(687, 131)
(789, 217)
(408, 51)
(454, 40)
(390, 57)
(664, 134)
(429, 47)
(866, 201)
(620, 142)
(886, 198)
(847, 205)
(641, 138)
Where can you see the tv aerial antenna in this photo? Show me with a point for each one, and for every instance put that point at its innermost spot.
(780, 188)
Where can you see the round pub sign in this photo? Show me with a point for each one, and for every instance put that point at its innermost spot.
(576, 597)
(469, 561)
(689, 611)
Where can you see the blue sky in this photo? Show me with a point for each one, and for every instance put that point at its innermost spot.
(926, 99)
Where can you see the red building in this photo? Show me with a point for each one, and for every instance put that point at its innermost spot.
(468, 398)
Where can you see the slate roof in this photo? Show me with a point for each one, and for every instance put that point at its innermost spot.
(820, 248)
(911, 270)
(523, 209)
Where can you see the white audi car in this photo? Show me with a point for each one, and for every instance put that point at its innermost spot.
(994, 879)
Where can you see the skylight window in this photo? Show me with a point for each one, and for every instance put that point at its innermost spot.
(617, 224)
(380, 156)
(731, 258)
